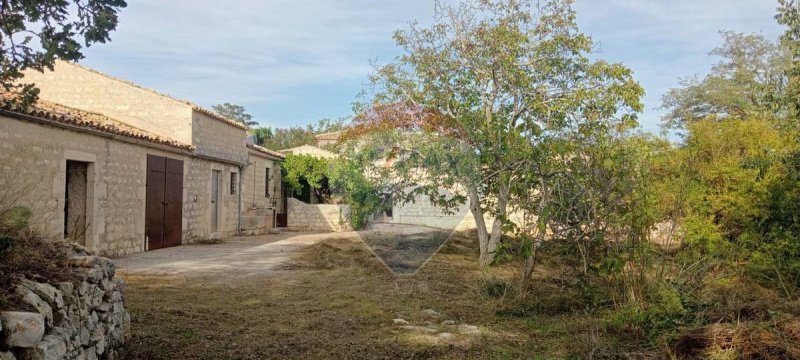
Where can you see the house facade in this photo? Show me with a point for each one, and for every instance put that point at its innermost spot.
(124, 169)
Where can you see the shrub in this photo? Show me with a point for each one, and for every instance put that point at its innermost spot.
(26, 254)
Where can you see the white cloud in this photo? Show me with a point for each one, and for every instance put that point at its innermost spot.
(291, 61)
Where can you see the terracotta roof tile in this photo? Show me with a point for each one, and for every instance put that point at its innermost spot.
(266, 151)
(335, 135)
(62, 114)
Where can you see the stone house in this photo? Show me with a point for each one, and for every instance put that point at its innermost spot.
(124, 169)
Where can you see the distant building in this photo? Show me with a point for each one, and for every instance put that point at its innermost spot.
(308, 214)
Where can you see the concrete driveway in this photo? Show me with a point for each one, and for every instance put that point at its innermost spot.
(237, 256)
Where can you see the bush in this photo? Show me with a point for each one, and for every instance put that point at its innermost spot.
(662, 313)
(497, 288)
(25, 254)
(14, 219)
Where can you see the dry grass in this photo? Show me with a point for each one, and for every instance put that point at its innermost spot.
(338, 301)
(26, 255)
(208, 241)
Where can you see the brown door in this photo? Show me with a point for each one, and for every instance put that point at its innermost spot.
(173, 203)
(164, 203)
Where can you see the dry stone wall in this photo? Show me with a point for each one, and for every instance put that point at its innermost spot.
(80, 319)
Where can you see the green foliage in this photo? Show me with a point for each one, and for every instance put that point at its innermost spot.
(748, 81)
(311, 169)
(262, 134)
(61, 27)
(789, 16)
(14, 219)
(490, 80)
(346, 182)
(286, 138)
(235, 112)
(362, 194)
(663, 312)
(736, 197)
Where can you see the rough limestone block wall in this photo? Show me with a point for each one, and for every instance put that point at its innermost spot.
(217, 139)
(257, 221)
(318, 217)
(423, 212)
(33, 164)
(253, 187)
(85, 89)
(197, 177)
(84, 319)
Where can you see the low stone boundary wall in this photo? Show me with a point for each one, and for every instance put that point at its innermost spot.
(85, 319)
(317, 217)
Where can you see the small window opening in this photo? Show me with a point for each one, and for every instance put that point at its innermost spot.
(266, 183)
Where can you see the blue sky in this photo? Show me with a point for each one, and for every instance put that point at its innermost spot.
(291, 62)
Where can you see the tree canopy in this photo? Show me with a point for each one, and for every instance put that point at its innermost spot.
(34, 34)
(235, 112)
(749, 80)
(492, 81)
(286, 138)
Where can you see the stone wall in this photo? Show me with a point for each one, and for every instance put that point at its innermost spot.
(197, 183)
(253, 188)
(318, 217)
(81, 319)
(85, 89)
(423, 212)
(33, 165)
(217, 139)
(259, 206)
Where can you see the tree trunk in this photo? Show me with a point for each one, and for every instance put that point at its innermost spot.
(487, 240)
(530, 263)
(497, 225)
(480, 223)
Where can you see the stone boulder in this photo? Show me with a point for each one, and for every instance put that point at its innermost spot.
(22, 329)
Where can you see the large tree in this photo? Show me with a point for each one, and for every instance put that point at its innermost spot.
(485, 85)
(749, 80)
(235, 112)
(34, 34)
(789, 16)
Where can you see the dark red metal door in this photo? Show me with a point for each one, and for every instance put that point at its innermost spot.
(154, 204)
(164, 202)
(173, 203)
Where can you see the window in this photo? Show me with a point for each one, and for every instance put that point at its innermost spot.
(266, 183)
(233, 183)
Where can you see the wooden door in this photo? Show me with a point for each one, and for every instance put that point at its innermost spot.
(164, 202)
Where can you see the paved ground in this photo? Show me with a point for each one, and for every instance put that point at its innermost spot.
(237, 256)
